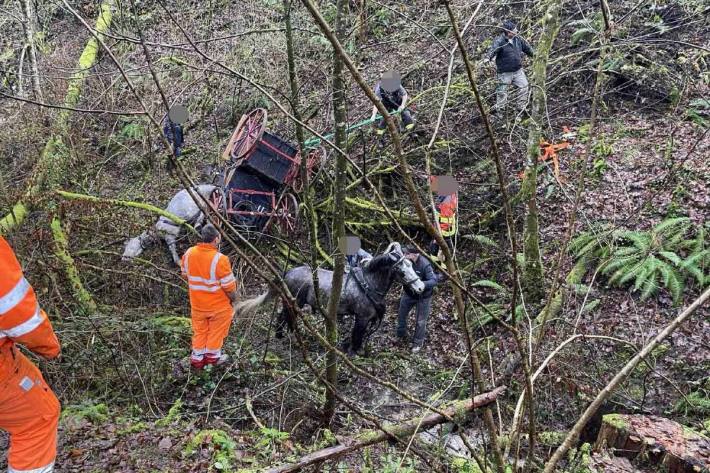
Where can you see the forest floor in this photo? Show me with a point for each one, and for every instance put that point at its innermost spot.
(101, 439)
(129, 407)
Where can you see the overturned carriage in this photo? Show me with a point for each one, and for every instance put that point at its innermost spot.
(261, 174)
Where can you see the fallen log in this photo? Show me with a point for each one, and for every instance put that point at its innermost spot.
(654, 440)
(406, 429)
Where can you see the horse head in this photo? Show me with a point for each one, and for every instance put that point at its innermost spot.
(403, 268)
(135, 246)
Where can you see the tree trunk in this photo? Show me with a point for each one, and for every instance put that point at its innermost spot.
(362, 21)
(29, 26)
(533, 279)
(341, 119)
(307, 192)
(402, 431)
(661, 442)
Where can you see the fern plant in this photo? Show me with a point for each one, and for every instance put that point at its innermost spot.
(672, 253)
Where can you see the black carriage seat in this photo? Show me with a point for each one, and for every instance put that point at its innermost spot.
(272, 158)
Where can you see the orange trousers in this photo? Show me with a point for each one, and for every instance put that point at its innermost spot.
(209, 329)
(29, 412)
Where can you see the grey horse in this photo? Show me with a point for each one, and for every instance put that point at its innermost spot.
(181, 205)
(368, 306)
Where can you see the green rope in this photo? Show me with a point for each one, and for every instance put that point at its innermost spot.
(315, 142)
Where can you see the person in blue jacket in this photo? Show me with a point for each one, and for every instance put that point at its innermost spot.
(173, 133)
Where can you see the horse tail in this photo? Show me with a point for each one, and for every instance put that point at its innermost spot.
(249, 306)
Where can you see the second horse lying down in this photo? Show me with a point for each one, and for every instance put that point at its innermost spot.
(182, 206)
(363, 294)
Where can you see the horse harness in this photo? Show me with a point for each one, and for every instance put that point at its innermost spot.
(376, 297)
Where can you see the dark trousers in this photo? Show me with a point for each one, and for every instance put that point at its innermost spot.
(406, 118)
(423, 308)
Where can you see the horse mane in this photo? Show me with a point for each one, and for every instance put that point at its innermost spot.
(379, 262)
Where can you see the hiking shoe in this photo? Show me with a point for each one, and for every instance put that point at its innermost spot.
(216, 361)
(416, 348)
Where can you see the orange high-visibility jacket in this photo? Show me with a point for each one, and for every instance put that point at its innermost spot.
(21, 318)
(446, 212)
(209, 278)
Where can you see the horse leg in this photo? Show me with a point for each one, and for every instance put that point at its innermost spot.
(170, 240)
(281, 323)
(286, 319)
(358, 335)
(199, 220)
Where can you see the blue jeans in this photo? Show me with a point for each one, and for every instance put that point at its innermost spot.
(423, 308)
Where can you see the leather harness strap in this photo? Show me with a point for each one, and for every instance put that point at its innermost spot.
(356, 272)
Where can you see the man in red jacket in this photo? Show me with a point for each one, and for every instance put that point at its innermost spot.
(29, 410)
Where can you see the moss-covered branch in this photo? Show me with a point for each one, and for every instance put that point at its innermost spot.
(456, 410)
(61, 251)
(129, 203)
(533, 278)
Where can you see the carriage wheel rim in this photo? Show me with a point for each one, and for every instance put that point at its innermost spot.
(249, 132)
(288, 217)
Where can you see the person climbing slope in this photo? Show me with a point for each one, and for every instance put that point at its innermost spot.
(29, 410)
(213, 293)
(507, 50)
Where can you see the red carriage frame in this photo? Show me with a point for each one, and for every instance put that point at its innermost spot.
(284, 205)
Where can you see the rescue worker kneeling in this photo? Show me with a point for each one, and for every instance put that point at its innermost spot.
(213, 293)
(29, 410)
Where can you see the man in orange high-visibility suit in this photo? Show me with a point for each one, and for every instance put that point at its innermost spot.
(213, 293)
(29, 410)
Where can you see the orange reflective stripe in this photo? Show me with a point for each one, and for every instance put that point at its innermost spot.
(207, 278)
(12, 298)
(25, 327)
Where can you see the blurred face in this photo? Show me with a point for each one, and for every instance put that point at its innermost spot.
(391, 81)
(511, 34)
(412, 256)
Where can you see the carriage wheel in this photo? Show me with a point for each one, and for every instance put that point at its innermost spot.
(247, 222)
(314, 160)
(217, 200)
(288, 213)
(247, 134)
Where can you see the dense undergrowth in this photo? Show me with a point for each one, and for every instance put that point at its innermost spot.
(641, 242)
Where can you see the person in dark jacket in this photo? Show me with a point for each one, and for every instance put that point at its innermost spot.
(394, 97)
(507, 50)
(173, 133)
(409, 299)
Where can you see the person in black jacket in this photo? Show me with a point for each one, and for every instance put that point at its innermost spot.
(507, 50)
(394, 97)
(422, 301)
